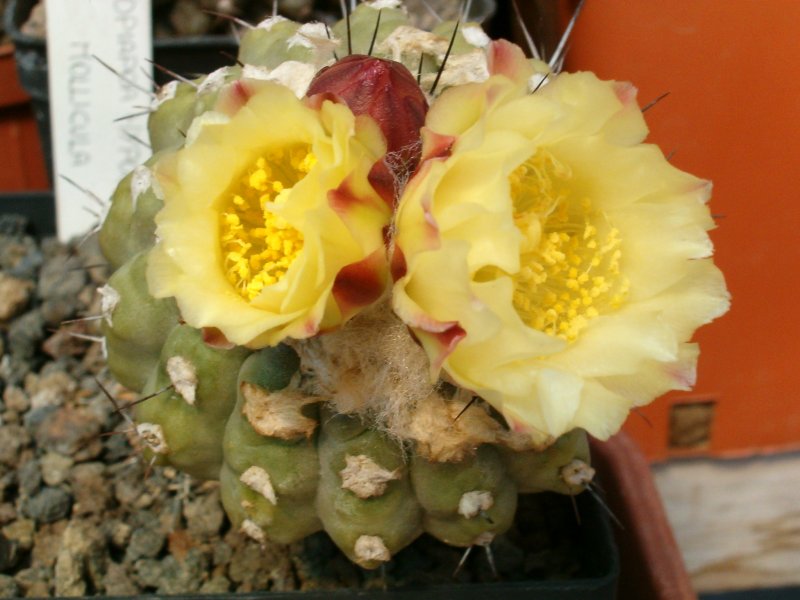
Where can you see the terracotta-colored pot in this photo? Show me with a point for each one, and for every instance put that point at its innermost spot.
(22, 167)
(651, 566)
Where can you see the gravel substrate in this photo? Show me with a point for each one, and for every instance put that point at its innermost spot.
(80, 512)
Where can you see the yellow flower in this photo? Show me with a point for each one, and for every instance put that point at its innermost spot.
(270, 227)
(550, 261)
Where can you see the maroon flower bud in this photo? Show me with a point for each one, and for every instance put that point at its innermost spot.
(386, 91)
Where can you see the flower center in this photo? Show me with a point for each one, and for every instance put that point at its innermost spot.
(570, 253)
(258, 246)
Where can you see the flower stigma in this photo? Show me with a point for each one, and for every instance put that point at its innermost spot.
(258, 245)
(569, 255)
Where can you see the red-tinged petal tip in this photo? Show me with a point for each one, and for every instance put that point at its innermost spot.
(436, 145)
(445, 342)
(216, 339)
(626, 92)
(360, 284)
(398, 266)
(505, 58)
(233, 97)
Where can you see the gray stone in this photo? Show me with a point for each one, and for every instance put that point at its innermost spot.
(260, 567)
(34, 581)
(90, 488)
(61, 276)
(25, 334)
(80, 556)
(20, 257)
(148, 572)
(59, 309)
(116, 581)
(55, 467)
(49, 505)
(218, 584)
(29, 477)
(16, 399)
(183, 576)
(68, 430)
(146, 542)
(13, 438)
(204, 515)
(8, 587)
(53, 387)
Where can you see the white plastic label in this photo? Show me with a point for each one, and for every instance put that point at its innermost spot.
(96, 138)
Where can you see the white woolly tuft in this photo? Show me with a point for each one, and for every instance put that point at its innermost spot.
(371, 367)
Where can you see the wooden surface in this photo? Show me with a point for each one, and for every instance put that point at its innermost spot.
(737, 522)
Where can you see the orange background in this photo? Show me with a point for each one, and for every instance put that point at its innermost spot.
(732, 68)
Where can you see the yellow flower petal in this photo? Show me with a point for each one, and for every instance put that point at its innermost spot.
(250, 241)
(571, 259)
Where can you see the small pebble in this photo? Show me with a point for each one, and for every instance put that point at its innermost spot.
(25, 334)
(7, 513)
(145, 542)
(204, 515)
(55, 468)
(148, 573)
(12, 439)
(21, 531)
(8, 587)
(29, 477)
(92, 492)
(16, 399)
(116, 581)
(34, 581)
(50, 504)
(71, 431)
(14, 295)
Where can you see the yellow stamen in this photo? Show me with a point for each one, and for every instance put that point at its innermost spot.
(570, 263)
(258, 246)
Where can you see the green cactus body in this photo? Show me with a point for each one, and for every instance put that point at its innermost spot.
(168, 123)
(289, 462)
(195, 391)
(128, 228)
(268, 44)
(171, 118)
(543, 471)
(135, 324)
(466, 502)
(365, 498)
(271, 471)
(362, 28)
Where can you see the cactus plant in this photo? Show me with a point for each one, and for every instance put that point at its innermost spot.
(272, 295)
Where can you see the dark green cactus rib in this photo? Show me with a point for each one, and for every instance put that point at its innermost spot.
(192, 412)
(128, 228)
(268, 46)
(269, 484)
(362, 29)
(467, 502)
(138, 325)
(169, 123)
(540, 471)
